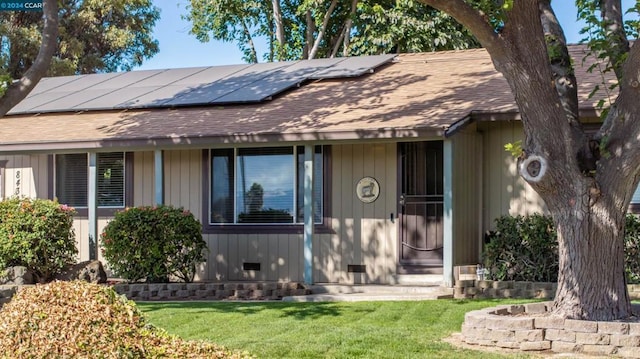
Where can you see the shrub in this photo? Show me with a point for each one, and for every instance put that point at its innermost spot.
(83, 320)
(153, 244)
(632, 249)
(522, 249)
(526, 248)
(37, 234)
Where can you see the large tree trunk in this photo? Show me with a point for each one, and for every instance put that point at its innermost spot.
(586, 183)
(591, 281)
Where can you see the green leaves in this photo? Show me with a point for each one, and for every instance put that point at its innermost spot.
(154, 244)
(37, 234)
(526, 248)
(514, 148)
(94, 36)
(522, 249)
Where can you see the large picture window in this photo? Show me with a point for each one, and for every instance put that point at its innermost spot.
(262, 185)
(72, 179)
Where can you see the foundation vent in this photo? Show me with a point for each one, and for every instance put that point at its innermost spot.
(356, 268)
(251, 266)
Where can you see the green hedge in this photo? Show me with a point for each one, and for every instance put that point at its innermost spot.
(526, 249)
(37, 234)
(153, 244)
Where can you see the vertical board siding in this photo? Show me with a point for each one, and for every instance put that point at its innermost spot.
(143, 181)
(362, 234)
(26, 176)
(359, 233)
(466, 198)
(505, 192)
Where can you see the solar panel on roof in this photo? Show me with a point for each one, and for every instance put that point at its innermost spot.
(49, 83)
(187, 86)
(33, 101)
(125, 80)
(112, 99)
(227, 85)
(353, 66)
(259, 90)
(85, 81)
(170, 76)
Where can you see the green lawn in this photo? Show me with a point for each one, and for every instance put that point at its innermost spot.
(323, 330)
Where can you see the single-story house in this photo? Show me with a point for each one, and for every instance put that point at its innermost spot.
(345, 170)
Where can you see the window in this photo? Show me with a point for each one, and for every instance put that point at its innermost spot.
(262, 185)
(72, 179)
(635, 201)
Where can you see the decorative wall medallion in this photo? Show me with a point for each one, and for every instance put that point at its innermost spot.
(368, 189)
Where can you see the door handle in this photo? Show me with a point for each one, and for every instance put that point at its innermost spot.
(402, 200)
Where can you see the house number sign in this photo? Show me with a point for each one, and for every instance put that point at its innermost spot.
(368, 189)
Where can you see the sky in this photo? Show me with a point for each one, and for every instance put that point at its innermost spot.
(180, 49)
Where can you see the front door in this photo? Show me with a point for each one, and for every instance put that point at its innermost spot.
(421, 204)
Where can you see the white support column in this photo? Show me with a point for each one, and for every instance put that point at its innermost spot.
(447, 265)
(158, 167)
(309, 152)
(89, 251)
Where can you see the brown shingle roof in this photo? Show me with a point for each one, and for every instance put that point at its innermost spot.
(417, 95)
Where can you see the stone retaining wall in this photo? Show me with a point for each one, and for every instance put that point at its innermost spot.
(194, 291)
(509, 327)
(467, 289)
(211, 291)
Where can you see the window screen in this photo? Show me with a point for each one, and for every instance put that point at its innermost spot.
(72, 184)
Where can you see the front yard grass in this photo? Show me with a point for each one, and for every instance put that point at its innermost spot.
(324, 330)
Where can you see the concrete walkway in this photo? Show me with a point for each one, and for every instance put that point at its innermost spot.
(358, 293)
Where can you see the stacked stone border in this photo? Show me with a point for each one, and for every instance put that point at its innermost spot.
(469, 289)
(192, 291)
(528, 327)
(210, 291)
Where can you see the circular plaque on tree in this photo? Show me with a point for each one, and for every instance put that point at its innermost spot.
(368, 189)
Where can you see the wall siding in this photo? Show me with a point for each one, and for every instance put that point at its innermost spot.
(363, 234)
(26, 175)
(360, 233)
(504, 191)
(467, 162)
(143, 180)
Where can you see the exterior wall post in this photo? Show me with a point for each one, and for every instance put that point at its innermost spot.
(158, 167)
(3, 179)
(309, 152)
(448, 243)
(90, 251)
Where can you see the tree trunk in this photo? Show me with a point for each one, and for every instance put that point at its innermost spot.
(587, 194)
(280, 38)
(591, 277)
(323, 28)
(18, 90)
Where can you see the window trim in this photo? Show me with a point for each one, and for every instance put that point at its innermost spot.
(83, 212)
(275, 228)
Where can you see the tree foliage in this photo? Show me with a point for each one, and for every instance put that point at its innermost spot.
(586, 180)
(94, 36)
(313, 28)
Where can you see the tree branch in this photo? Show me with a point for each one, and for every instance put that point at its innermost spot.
(277, 18)
(618, 45)
(18, 90)
(472, 19)
(323, 28)
(561, 67)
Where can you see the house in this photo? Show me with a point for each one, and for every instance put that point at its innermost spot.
(348, 170)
